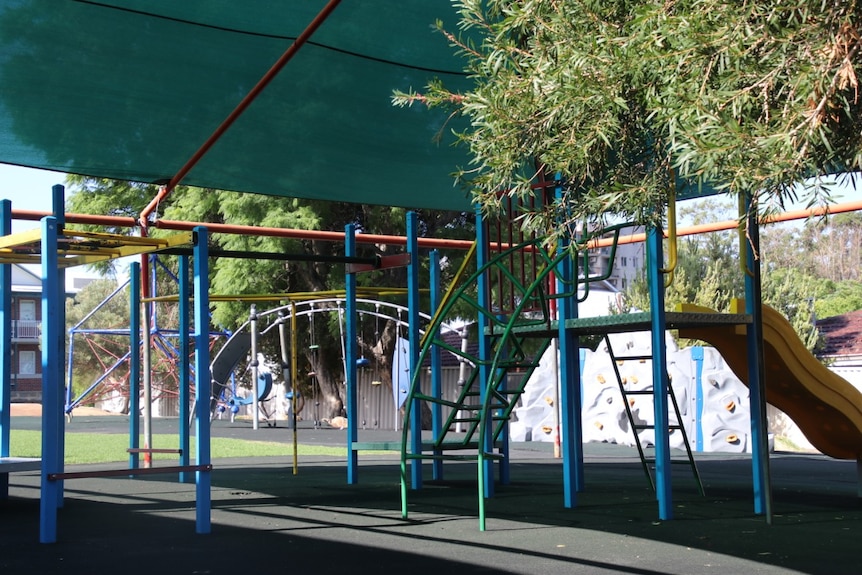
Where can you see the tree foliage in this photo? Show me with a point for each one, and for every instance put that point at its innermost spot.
(833, 246)
(626, 98)
(808, 270)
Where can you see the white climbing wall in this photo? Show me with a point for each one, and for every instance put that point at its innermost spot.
(721, 423)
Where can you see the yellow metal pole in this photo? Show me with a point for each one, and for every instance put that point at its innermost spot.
(295, 397)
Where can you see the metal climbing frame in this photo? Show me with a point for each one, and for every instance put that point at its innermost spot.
(56, 248)
(114, 354)
(516, 340)
(512, 342)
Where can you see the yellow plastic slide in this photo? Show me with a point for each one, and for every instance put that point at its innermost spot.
(827, 409)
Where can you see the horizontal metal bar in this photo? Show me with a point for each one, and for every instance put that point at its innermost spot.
(279, 256)
(127, 472)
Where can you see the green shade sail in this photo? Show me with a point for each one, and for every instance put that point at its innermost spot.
(130, 89)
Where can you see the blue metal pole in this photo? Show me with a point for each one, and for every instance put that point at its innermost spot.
(697, 358)
(350, 358)
(570, 367)
(185, 375)
(202, 378)
(5, 348)
(571, 430)
(413, 331)
(134, 362)
(655, 279)
(51, 386)
(70, 397)
(58, 205)
(486, 466)
(436, 364)
(58, 193)
(756, 377)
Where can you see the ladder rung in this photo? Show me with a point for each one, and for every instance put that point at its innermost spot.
(498, 456)
(618, 360)
(478, 406)
(650, 426)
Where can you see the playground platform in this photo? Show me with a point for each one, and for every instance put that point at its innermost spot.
(264, 518)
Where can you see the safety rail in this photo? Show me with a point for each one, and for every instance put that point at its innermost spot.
(26, 329)
(127, 472)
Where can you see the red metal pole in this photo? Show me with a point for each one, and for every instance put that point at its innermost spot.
(117, 221)
(121, 221)
(313, 234)
(241, 107)
(733, 224)
(129, 222)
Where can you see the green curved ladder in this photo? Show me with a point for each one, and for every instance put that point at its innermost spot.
(487, 409)
(489, 405)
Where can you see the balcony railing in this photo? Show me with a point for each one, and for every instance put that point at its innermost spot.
(26, 329)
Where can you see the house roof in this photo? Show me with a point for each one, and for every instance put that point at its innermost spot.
(842, 334)
(25, 280)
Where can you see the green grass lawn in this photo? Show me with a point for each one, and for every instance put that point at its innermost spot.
(111, 447)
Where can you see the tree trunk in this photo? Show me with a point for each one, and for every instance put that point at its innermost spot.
(327, 397)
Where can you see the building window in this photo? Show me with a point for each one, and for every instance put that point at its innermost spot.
(27, 310)
(27, 362)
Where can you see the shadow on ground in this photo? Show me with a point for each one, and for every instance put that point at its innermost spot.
(265, 517)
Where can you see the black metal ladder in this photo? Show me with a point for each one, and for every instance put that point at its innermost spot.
(616, 361)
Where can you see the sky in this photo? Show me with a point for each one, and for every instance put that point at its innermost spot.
(30, 189)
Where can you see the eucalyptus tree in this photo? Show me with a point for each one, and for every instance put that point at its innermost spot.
(628, 98)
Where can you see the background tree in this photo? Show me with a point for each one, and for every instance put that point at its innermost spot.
(101, 196)
(802, 268)
(625, 97)
(834, 246)
(311, 272)
(793, 294)
(704, 273)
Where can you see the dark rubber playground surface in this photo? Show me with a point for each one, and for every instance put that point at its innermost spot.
(265, 519)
